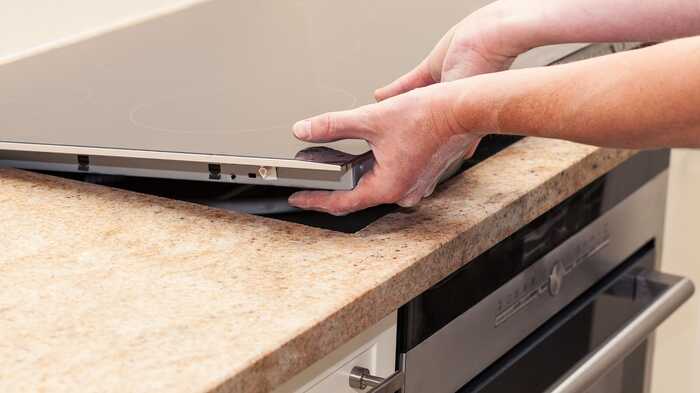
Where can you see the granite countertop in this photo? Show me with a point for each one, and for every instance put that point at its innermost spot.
(111, 291)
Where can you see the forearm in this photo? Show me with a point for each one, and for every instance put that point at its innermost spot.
(619, 20)
(544, 22)
(641, 99)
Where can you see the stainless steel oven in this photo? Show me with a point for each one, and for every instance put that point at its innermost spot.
(567, 304)
(598, 344)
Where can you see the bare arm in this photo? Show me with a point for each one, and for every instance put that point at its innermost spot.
(489, 39)
(641, 99)
(559, 21)
(648, 98)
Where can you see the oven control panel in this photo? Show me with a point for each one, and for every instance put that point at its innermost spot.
(548, 277)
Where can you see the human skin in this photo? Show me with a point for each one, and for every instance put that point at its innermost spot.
(489, 39)
(438, 112)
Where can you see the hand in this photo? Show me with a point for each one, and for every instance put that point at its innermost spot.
(486, 41)
(414, 137)
(413, 133)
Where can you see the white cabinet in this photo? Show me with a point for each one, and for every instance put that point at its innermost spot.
(375, 349)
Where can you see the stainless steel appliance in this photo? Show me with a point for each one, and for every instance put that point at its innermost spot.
(567, 304)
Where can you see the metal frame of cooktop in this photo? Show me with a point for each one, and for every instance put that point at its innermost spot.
(165, 155)
(186, 166)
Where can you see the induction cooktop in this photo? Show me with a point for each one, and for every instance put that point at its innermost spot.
(199, 94)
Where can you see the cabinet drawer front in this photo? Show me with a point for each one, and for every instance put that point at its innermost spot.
(375, 350)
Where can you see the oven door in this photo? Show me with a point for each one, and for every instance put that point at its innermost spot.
(600, 343)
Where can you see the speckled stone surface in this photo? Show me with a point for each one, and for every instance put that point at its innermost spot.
(108, 291)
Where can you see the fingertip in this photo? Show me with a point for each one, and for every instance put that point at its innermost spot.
(302, 129)
(409, 201)
(381, 94)
(298, 199)
(417, 78)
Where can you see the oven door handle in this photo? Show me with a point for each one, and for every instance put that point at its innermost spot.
(616, 348)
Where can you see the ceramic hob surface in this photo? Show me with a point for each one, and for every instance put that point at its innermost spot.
(217, 81)
(219, 78)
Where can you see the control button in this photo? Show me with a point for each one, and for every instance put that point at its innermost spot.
(556, 279)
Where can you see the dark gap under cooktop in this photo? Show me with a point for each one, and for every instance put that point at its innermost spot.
(268, 201)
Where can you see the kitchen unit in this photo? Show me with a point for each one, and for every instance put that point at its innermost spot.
(121, 291)
(111, 290)
(568, 303)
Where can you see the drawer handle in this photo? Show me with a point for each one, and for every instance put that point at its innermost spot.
(361, 378)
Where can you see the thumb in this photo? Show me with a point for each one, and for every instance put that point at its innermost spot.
(333, 126)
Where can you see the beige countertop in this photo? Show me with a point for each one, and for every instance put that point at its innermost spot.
(110, 291)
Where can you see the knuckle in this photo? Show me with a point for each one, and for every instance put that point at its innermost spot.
(349, 206)
(327, 125)
(337, 207)
(365, 120)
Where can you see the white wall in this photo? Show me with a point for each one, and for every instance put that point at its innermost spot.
(25, 24)
(677, 357)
